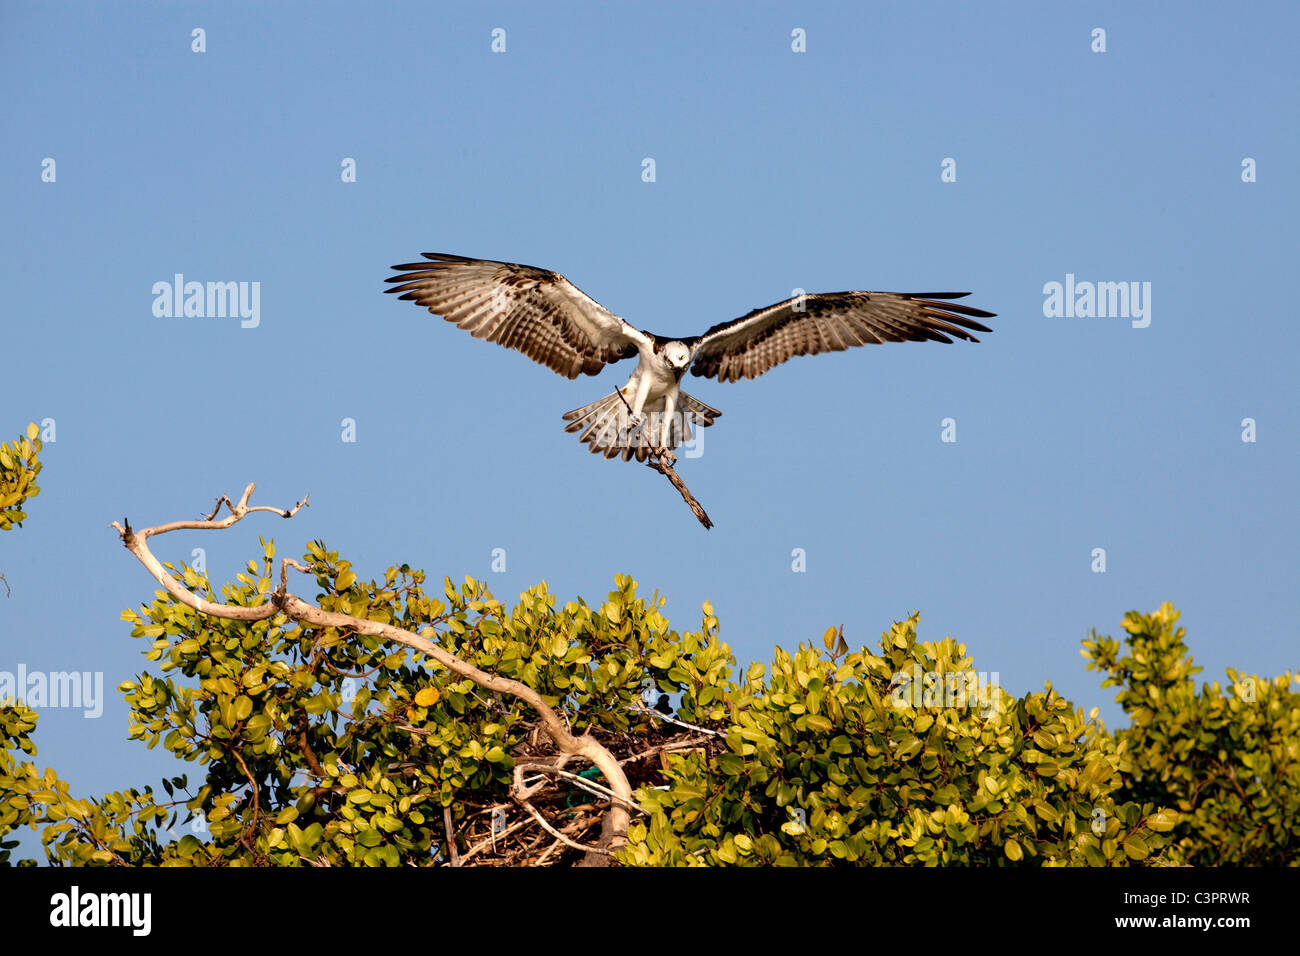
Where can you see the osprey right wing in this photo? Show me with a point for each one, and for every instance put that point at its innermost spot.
(535, 311)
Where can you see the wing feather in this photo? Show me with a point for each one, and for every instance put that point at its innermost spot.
(830, 322)
(534, 311)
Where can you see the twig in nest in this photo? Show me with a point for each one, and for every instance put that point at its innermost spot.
(640, 707)
(491, 840)
(581, 783)
(557, 834)
(672, 746)
(541, 860)
(451, 836)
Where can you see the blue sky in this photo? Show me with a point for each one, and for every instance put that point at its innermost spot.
(774, 170)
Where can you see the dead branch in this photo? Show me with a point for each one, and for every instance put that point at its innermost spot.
(281, 600)
(662, 461)
(556, 833)
(490, 840)
(451, 836)
(541, 860)
(580, 782)
(671, 746)
(642, 708)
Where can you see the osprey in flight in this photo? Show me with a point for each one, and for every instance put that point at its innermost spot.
(550, 320)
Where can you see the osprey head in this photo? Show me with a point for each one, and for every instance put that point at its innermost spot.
(677, 355)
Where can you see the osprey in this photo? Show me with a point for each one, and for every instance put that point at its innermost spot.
(553, 322)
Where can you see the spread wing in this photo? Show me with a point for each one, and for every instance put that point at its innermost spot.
(830, 322)
(535, 311)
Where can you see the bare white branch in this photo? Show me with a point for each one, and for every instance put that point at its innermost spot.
(641, 707)
(557, 834)
(579, 781)
(281, 600)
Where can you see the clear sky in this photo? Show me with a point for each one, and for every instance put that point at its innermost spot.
(773, 170)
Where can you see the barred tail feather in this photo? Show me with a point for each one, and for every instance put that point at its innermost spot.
(700, 413)
(606, 425)
(581, 417)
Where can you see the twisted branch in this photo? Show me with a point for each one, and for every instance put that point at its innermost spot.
(662, 461)
(281, 600)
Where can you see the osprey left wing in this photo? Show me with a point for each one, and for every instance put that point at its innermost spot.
(829, 322)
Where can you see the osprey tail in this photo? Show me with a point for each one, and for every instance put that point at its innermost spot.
(610, 431)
